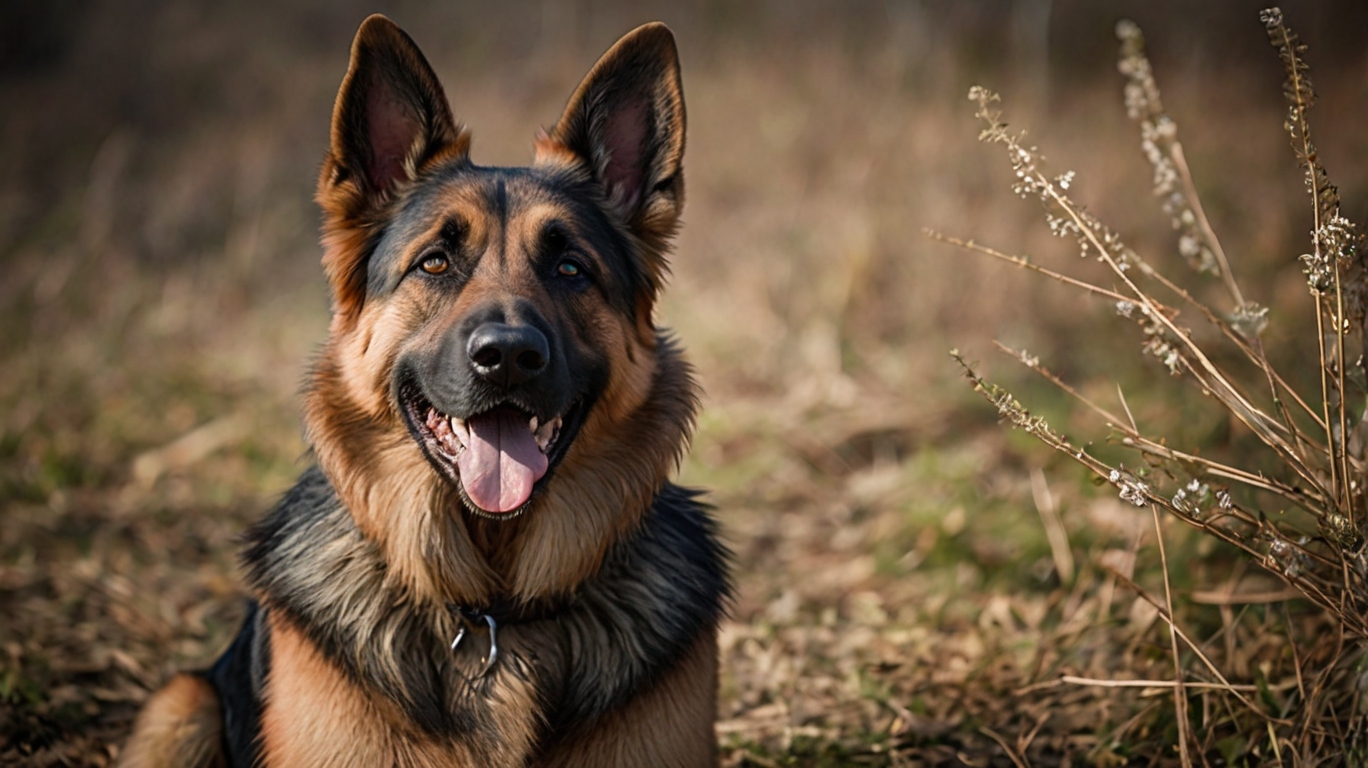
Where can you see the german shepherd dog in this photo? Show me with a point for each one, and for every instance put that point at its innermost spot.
(488, 566)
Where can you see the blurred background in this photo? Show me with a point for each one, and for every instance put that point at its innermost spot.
(160, 297)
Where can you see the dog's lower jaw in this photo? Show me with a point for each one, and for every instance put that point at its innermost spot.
(471, 508)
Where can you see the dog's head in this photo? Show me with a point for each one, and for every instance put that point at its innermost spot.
(498, 320)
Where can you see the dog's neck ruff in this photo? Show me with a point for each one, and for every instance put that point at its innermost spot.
(656, 591)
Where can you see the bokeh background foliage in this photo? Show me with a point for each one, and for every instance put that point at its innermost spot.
(899, 599)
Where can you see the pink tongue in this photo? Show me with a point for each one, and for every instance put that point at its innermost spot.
(501, 461)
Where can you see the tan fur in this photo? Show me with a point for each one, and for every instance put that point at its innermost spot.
(315, 716)
(670, 726)
(394, 497)
(179, 727)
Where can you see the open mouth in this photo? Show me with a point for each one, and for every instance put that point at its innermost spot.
(498, 458)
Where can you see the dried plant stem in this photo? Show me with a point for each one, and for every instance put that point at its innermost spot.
(1294, 495)
(1190, 188)
(1179, 695)
(1159, 140)
(1324, 211)
(1024, 263)
(1196, 649)
(1209, 374)
(1313, 503)
(1087, 230)
(1011, 409)
(1325, 400)
(1256, 351)
(1339, 370)
(1318, 688)
(1130, 417)
(1096, 683)
(1260, 528)
(1255, 355)
(1296, 655)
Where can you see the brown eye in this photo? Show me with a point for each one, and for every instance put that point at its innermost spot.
(436, 264)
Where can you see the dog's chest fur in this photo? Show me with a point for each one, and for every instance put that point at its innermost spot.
(355, 664)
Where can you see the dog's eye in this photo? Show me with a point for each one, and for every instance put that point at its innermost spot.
(569, 268)
(435, 264)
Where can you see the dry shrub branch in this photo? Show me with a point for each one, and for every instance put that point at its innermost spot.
(1304, 524)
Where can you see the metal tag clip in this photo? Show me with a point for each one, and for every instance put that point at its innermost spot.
(493, 638)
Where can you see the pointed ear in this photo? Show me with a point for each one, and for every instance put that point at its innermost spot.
(391, 116)
(390, 120)
(625, 124)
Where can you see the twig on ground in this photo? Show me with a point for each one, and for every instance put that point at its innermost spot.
(1016, 759)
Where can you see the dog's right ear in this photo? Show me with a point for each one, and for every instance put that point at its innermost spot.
(624, 126)
(391, 120)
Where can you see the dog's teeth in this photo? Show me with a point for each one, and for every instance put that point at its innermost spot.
(439, 428)
(461, 431)
(532, 425)
(547, 434)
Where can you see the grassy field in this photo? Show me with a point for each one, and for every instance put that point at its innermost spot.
(900, 600)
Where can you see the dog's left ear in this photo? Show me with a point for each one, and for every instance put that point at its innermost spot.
(625, 123)
(390, 121)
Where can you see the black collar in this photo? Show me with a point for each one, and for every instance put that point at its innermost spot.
(506, 610)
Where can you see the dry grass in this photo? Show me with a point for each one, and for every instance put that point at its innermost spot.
(1301, 524)
(903, 593)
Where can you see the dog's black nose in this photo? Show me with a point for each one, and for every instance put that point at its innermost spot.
(508, 355)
